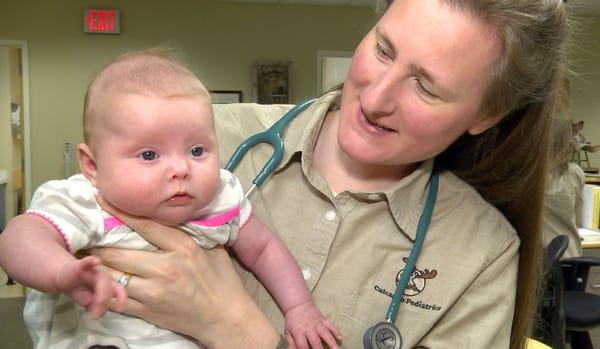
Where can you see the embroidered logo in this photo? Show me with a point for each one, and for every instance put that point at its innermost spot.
(418, 279)
(416, 285)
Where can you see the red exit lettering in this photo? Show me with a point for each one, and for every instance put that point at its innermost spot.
(100, 21)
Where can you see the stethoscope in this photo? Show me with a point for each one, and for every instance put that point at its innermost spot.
(384, 334)
(272, 136)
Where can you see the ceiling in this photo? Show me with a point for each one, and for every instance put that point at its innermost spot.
(579, 6)
(364, 3)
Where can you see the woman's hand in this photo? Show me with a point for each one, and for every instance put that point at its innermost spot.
(187, 289)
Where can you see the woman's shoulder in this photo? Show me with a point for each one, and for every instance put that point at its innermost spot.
(460, 205)
(248, 115)
(236, 122)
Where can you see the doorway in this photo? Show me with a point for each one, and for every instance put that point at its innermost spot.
(332, 69)
(14, 127)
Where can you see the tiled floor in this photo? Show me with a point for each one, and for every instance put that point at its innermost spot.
(10, 291)
(13, 334)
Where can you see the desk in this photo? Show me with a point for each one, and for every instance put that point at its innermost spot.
(590, 238)
(590, 244)
(595, 179)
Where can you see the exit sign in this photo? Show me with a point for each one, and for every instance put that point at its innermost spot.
(101, 21)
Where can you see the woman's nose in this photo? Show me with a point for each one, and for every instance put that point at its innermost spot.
(381, 96)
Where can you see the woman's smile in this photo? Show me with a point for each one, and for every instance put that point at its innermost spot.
(371, 126)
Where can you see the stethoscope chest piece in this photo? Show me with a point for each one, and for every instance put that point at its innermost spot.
(384, 335)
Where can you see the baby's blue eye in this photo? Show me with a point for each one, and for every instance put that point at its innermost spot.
(149, 155)
(197, 151)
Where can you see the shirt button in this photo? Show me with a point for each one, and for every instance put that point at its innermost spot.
(373, 197)
(330, 215)
(306, 273)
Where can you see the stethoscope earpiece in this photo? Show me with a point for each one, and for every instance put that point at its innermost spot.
(384, 335)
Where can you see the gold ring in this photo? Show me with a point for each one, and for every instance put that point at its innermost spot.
(124, 279)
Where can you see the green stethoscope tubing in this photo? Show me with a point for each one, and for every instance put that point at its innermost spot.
(385, 335)
(416, 249)
(273, 136)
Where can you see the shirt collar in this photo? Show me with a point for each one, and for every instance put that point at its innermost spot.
(406, 199)
(301, 135)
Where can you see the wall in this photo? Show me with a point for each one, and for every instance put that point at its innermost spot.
(220, 39)
(585, 85)
(5, 129)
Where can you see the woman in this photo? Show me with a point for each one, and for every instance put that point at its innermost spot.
(468, 83)
(563, 201)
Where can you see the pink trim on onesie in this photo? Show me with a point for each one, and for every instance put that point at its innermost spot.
(213, 221)
(53, 223)
(112, 222)
(218, 220)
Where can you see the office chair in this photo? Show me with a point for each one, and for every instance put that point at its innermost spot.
(582, 309)
(550, 319)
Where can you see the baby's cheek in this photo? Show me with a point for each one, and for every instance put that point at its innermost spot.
(135, 198)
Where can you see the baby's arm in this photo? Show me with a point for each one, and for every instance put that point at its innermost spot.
(34, 254)
(261, 251)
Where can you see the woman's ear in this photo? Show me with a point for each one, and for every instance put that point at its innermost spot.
(87, 164)
(484, 124)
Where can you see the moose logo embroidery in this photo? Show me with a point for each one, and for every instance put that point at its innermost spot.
(418, 280)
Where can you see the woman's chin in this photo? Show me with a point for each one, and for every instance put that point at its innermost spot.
(361, 153)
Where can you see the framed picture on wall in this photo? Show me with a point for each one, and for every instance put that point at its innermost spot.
(226, 96)
(272, 83)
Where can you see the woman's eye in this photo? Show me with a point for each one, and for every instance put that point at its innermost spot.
(197, 151)
(148, 155)
(424, 91)
(382, 53)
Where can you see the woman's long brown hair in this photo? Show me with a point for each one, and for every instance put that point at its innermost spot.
(508, 163)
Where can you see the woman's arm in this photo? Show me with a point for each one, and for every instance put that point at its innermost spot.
(187, 289)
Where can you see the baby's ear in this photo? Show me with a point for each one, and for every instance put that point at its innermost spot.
(87, 164)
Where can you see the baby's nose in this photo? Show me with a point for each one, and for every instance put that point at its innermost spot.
(179, 169)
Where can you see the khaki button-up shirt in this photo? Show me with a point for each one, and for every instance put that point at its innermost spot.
(352, 247)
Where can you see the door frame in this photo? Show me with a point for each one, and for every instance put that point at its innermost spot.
(22, 44)
(323, 54)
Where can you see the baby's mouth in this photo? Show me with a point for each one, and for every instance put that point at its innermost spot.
(180, 198)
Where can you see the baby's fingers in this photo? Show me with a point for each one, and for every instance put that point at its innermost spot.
(300, 341)
(120, 297)
(290, 340)
(89, 262)
(314, 340)
(333, 329)
(103, 291)
(326, 335)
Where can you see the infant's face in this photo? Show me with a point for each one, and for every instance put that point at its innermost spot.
(157, 157)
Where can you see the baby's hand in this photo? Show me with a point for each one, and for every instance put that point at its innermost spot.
(90, 286)
(306, 327)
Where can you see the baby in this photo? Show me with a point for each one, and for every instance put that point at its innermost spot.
(150, 150)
